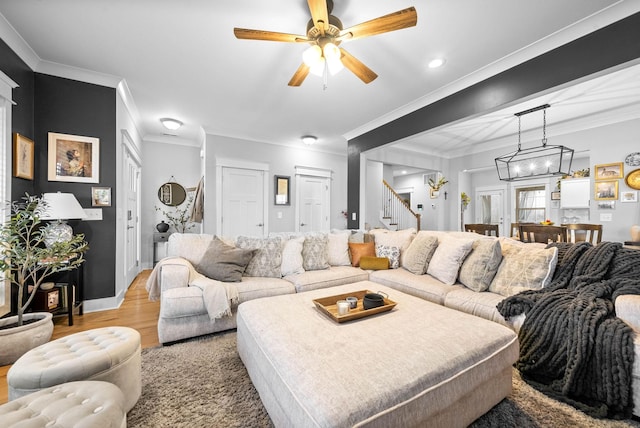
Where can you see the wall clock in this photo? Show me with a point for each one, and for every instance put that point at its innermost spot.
(633, 179)
(633, 159)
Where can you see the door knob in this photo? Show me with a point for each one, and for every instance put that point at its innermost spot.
(129, 227)
(302, 224)
(259, 225)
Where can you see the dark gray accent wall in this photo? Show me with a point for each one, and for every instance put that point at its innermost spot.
(71, 107)
(605, 48)
(22, 112)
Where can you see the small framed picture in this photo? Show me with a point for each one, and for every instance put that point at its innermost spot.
(73, 158)
(101, 196)
(281, 190)
(606, 190)
(607, 205)
(22, 157)
(555, 196)
(629, 196)
(609, 171)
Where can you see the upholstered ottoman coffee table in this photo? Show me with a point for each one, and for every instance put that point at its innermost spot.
(111, 354)
(419, 364)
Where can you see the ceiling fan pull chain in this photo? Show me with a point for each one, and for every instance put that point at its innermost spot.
(325, 76)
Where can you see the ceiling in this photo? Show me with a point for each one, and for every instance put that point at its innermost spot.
(181, 60)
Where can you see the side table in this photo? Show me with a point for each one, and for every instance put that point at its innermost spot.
(158, 238)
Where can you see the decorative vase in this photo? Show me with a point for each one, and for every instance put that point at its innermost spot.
(162, 227)
(16, 341)
(635, 233)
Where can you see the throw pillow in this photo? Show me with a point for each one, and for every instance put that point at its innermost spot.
(338, 248)
(292, 256)
(448, 258)
(394, 238)
(268, 257)
(374, 263)
(358, 250)
(524, 268)
(391, 253)
(419, 253)
(315, 253)
(223, 262)
(480, 267)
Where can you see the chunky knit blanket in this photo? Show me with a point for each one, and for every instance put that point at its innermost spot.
(572, 345)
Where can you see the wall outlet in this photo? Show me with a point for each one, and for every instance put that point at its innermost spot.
(353, 216)
(606, 217)
(279, 215)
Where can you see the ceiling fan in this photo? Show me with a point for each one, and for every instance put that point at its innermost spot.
(325, 33)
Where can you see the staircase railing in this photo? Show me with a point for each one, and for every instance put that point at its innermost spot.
(396, 210)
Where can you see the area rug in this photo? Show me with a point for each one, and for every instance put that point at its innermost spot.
(202, 382)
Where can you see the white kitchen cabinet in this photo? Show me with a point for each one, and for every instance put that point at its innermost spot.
(575, 193)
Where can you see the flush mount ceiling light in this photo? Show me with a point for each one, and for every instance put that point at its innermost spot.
(171, 124)
(309, 139)
(534, 162)
(435, 63)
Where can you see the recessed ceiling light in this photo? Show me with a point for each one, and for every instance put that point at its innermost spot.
(435, 63)
(171, 124)
(404, 171)
(309, 139)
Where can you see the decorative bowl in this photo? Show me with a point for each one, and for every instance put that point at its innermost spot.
(372, 300)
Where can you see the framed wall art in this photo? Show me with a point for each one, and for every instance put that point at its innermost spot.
(73, 158)
(22, 157)
(282, 192)
(606, 190)
(101, 196)
(609, 171)
(629, 196)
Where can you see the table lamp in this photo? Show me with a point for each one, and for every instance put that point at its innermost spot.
(60, 207)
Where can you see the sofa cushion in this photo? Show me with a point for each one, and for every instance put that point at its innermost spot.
(423, 286)
(357, 250)
(335, 275)
(182, 302)
(524, 268)
(448, 257)
(190, 246)
(419, 253)
(338, 248)
(481, 265)
(391, 253)
(256, 288)
(315, 251)
(374, 263)
(268, 257)
(292, 256)
(479, 304)
(394, 238)
(223, 262)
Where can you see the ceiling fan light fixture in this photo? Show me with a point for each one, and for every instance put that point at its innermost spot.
(171, 124)
(312, 56)
(309, 139)
(317, 69)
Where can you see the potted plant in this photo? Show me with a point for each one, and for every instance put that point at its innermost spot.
(179, 218)
(26, 261)
(464, 203)
(435, 186)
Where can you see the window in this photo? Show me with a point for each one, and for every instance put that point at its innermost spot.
(531, 204)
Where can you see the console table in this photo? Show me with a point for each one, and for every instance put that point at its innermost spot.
(71, 283)
(158, 238)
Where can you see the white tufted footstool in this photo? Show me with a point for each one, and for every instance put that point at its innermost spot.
(74, 404)
(110, 354)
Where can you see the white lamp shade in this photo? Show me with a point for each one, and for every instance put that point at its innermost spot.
(61, 206)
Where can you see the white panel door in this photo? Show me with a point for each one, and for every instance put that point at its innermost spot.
(314, 197)
(490, 208)
(132, 234)
(242, 202)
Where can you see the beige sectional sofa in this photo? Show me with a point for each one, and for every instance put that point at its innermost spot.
(464, 271)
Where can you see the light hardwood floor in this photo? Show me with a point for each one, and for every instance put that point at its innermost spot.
(136, 312)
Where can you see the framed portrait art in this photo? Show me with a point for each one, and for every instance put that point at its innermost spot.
(22, 157)
(609, 171)
(73, 158)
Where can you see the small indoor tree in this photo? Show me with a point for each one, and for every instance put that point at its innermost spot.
(25, 260)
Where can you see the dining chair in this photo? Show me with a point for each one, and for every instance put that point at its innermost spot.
(543, 234)
(584, 232)
(483, 229)
(515, 229)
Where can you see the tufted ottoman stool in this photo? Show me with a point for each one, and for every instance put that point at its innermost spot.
(73, 404)
(110, 354)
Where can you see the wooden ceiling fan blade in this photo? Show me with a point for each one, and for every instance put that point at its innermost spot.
(394, 21)
(319, 14)
(363, 72)
(301, 73)
(271, 36)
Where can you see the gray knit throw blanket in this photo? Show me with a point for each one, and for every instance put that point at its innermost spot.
(572, 345)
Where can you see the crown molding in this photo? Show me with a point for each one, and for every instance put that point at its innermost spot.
(14, 40)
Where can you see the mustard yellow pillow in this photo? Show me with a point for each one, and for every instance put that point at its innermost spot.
(358, 250)
(374, 263)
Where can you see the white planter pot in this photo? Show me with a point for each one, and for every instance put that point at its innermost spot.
(14, 342)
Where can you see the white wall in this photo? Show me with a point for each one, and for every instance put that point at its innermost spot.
(282, 160)
(161, 162)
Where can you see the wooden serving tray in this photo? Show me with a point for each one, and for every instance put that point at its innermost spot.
(328, 306)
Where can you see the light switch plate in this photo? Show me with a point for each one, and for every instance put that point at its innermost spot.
(93, 214)
(606, 217)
